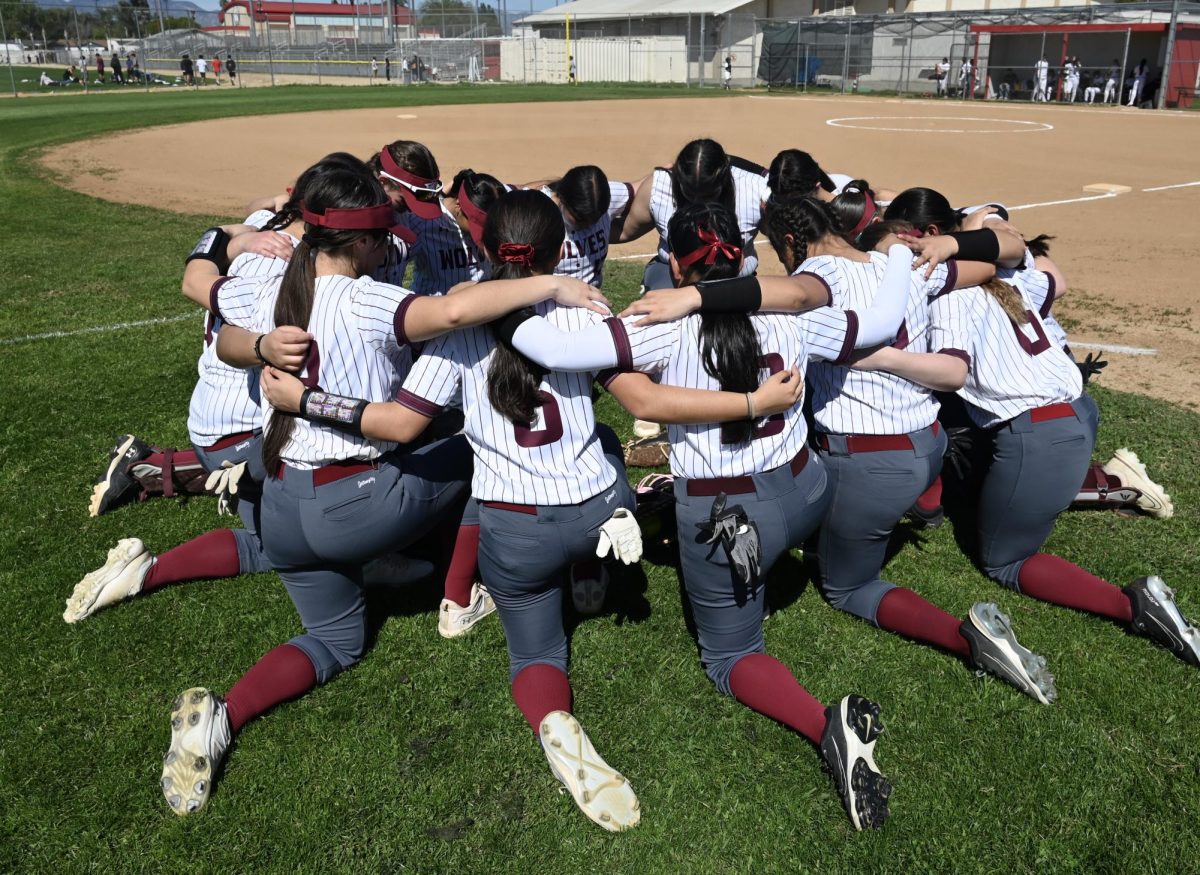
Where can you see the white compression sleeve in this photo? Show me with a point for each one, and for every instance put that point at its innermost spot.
(880, 322)
(591, 349)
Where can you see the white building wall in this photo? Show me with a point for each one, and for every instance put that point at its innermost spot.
(637, 59)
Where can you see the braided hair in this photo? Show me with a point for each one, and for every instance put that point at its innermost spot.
(729, 348)
(332, 188)
(791, 224)
(702, 174)
(523, 237)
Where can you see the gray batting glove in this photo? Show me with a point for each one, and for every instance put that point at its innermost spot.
(622, 536)
(223, 482)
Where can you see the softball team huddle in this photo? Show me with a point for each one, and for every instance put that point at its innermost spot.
(355, 422)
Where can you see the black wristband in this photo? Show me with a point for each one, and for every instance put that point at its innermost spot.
(258, 350)
(336, 410)
(741, 294)
(213, 246)
(506, 326)
(981, 245)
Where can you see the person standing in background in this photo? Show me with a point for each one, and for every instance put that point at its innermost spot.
(231, 66)
(727, 72)
(1110, 84)
(1041, 74)
(941, 70)
(216, 64)
(100, 69)
(387, 69)
(572, 70)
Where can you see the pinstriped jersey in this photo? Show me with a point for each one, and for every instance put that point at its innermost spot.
(750, 193)
(444, 254)
(359, 349)
(846, 401)
(585, 249)
(1040, 287)
(554, 460)
(1011, 368)
(259, 218)
(672, 351)
(225, 399)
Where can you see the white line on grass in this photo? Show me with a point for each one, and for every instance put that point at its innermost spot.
(1111, 347)
(97, 329)
(1165, 187)
(630, 257)
(1030, 127)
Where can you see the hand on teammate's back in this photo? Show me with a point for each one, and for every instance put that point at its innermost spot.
(572, 292)
(269, 244)
(664, 305)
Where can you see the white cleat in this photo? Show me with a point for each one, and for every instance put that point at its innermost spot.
(600, 792)
(120, 577)
(848, 747)
(200, 735)
(1128, 468)
(454, 620)
(995, 649)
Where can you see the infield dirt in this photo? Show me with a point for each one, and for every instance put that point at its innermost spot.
(1128, 258)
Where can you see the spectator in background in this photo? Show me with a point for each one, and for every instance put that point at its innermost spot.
(387, 69)
(45, 80)
(727, 72)
(100, 69)
(131, 70)
(115, 63)
(1110, 84)
(1007, 84)
(202, 69)
(941, 72)
(216, 64)
(1041, 88)
(965, 79)
(185, 67)
(571, 69)
(231, 66)
(1139, 82)
(374, 69)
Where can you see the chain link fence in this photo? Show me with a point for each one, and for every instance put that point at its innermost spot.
(1088, 54)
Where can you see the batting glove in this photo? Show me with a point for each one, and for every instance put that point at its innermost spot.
(223, 482)
(622, 536)
(1091, 366)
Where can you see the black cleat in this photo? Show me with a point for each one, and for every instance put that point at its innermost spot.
(848, 747)
(1156, 616)
(116, 484)
(927, 519)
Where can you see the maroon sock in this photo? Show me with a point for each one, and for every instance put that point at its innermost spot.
(181, 457)
(213, 554)
(931, 498)
(1055, 580)
(464, 561)
(904, 612)
(284, 673)
(765, 684)
(539, 689)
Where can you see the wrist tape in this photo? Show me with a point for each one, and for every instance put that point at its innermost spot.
(741, 294)
(213, 246)
(337, 410)
(982, 245)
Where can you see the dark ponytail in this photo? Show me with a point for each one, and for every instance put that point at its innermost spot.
(924, 207)
(583, 191)
(804, 219)
(701, 174)
(290, 211)
(729, 346)
(339, 188)
(794, 173)
(523, 237)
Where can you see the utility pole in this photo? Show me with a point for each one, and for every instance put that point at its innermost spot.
(1166, 77)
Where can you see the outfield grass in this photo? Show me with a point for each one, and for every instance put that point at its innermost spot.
(417, 760)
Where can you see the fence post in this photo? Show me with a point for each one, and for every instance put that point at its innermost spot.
(703, 47)
(806, 68)
(687, 53)
(1124, 67)
(846, 55)
(83, 64)
(1165, 83)
(270, 57)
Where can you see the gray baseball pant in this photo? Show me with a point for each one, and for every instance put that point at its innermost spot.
(729, 618)
(1035, 474)
(869, 494)
(318, 537)
(251, 556)
(523, 557)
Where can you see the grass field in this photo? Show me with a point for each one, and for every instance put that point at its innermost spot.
(417, 760)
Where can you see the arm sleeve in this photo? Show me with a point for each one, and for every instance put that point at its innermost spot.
(434, 379)
(591, 349)
(878, 323)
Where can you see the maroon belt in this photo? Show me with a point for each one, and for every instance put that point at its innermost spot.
(515, 508)
(1051, 411)
(229, 441)
(875, 443)
(741, 485)
(336, 471)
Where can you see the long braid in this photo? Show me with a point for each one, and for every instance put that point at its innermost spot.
(790, 225)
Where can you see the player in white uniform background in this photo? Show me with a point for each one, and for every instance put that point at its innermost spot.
(702, 173)
(1111, 81)
(1041, 76)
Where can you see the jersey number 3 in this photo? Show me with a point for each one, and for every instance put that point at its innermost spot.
(550, 429)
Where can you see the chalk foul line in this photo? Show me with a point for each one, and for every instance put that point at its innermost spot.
(97, 329)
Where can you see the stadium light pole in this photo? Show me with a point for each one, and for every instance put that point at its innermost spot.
(1166, 80)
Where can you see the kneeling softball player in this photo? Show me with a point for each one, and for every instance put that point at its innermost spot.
(752, 490)
(989, 345)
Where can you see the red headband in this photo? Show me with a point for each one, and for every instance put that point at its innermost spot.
(476, 218)
(709, 250)
(869, 212)
(381, 217)
(517, 253)
(425, 209)
(391, 168)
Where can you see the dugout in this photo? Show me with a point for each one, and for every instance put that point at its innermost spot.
(1017, 47)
